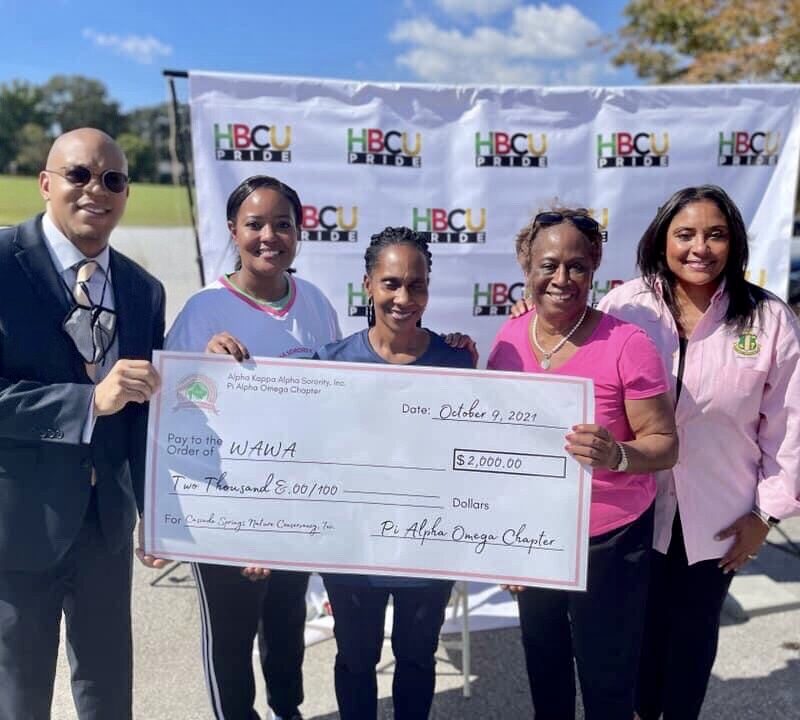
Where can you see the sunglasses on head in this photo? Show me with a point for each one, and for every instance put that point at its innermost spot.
(582, 222)
(79, 175)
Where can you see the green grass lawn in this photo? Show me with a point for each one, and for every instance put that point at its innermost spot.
(154, 205)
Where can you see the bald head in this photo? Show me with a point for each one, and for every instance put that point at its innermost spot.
(82, 138)
(85, 212)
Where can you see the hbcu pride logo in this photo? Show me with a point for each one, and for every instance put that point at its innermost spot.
(196, 391)
(261, 143)
(328, 224)
(762, 277)
(500, 149)
(371, 146)
(622, 149)
(601, 215)
(742, 148)
(600, 291)
(495, 298)
(357, 299)
(438, 225)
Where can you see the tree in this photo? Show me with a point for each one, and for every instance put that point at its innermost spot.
(152, 123)
(74, 101)
(33, 143)
(141, 157)
(701, 41)
(20, 104)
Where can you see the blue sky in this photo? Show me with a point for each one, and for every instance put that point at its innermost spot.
(126, 44)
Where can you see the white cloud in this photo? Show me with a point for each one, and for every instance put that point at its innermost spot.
(143, 49)
(542, 44)
(479, 8)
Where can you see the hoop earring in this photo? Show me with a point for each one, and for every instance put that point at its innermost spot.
(370, 312)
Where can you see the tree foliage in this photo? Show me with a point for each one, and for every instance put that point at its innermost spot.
(74, 101)
(704, 41)
(141, 156)
(32, 116)
(20, 104)
(33, 144)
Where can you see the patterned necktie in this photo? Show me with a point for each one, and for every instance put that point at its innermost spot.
(80, 292)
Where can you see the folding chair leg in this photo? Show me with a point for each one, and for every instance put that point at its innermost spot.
(465, 645)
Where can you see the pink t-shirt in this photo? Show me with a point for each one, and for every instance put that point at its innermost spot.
(624, 365)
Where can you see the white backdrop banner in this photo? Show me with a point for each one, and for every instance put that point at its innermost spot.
(468, 166)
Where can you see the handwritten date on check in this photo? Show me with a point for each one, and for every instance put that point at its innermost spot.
(366, 468)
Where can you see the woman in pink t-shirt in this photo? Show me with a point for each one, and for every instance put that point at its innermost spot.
(632, 437)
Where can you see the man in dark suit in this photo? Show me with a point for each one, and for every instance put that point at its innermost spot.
(78, 324)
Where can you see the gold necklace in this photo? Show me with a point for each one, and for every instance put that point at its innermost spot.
(545, 361)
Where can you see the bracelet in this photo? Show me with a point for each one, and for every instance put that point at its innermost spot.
(768, 520)
(622, 465)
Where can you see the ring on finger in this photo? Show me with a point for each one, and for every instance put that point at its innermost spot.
(752, 557)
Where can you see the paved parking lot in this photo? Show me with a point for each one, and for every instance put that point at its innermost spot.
(757, 673)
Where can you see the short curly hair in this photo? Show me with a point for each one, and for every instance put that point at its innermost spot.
(526, 236)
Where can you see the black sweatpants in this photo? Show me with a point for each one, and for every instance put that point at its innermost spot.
(600, 629)
(233, 610)
(681, 632)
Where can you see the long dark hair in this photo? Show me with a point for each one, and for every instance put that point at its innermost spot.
(744, 298)
(387, 237)
(256, 182)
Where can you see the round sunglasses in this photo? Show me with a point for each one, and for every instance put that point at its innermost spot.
(582, 222)
(79, 175)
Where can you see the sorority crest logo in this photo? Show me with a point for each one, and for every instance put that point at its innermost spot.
(372, 146)
(260, 143)
(357, 299)
(624, 149)
(747, 344)
(196, 391)
(329, 223)
(495, 298)
(458, 225)
(746, 148)
(503, 149)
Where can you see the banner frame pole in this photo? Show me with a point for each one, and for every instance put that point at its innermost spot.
(176, 138)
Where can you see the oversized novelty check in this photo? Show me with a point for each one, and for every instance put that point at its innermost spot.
(367, 468)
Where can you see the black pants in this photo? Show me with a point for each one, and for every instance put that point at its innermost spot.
(92, 588)
(358, 613)
(601, 629)
(233, 610)
(681, 632)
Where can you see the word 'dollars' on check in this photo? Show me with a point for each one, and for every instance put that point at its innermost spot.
(364, 468)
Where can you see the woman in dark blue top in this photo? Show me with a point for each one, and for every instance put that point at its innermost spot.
(398, 265)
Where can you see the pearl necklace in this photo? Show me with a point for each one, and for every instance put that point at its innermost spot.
(545, 361)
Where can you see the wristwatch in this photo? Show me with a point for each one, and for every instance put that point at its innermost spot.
(622, 465)
(766, 518)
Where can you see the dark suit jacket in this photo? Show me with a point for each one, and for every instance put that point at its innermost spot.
(45, 392)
